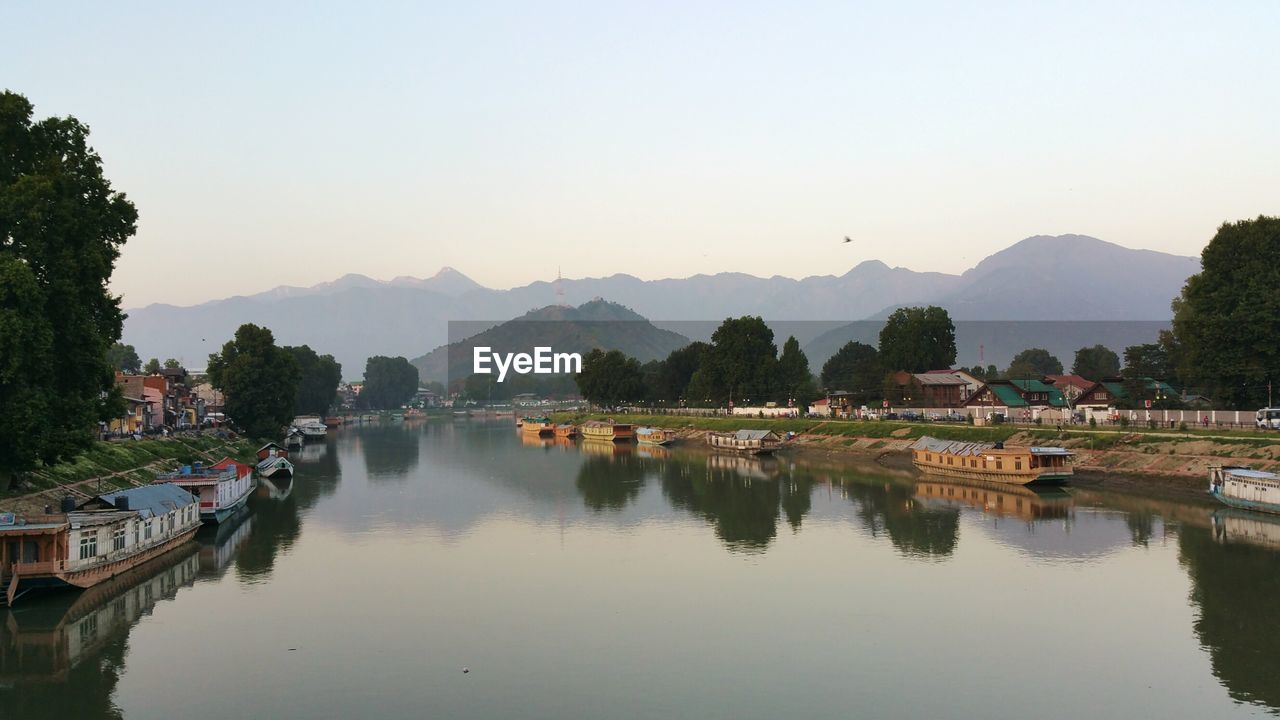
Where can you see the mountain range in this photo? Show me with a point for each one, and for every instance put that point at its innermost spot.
(1065, 277)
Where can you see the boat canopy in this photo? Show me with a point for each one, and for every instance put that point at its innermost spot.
(1050, 451)
(754, 434)
(951, 447)
(1250, 473)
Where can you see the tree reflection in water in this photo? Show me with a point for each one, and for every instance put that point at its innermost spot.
(1235, 585)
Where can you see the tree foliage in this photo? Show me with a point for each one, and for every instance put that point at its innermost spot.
(671, 382)
(742, 363)
(855, 368)
(795, 380)
(610, 378)
(61, 228)
(259, 379)
(1226, 322)
(1034, 363)
(1150, 360)
(152, 367)
(318, 378)
(917, 339)
(389, 382)
(124, 358)
(1095, 363)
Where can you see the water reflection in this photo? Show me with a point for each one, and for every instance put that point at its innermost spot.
(1235, 586)
(64, 654)
(463, 496)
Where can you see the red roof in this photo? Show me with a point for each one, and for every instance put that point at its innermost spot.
(1060, 380)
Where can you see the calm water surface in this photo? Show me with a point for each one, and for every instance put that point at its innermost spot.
(587, 582)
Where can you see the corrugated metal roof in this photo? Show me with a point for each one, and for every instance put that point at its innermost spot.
(1250, 473)
(952, 447)
(150, 500)
(752, 434)
(940, 379)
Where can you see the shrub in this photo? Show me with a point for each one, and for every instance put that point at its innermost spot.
(1182, 426)
(1093, 422)
(1124, 421)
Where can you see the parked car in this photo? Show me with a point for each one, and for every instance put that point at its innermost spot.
(911, 415)
(889, 416)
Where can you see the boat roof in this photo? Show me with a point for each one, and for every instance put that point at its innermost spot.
(951, 447)
(150, 500)
(753, 434)
(1050, 451)
(1250, 473)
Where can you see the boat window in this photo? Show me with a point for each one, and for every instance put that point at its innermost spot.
(999, 464)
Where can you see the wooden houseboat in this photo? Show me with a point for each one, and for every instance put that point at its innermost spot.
(992, 462)
(294, 440)
(222, 488)
(655, 436)
(311, 426)
(539, 426)
(1245, 488)
(273, 462)
(745, 442)
(97, 540)
(567, 430)
(607, 430)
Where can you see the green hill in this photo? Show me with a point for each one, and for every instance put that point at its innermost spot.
(596, 324)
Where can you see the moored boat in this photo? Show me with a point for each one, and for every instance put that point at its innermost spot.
(222, 487)
(96, 540)
(607, 430)
(747, 442)
(273, 461)
(1245, 488)
(311, 426)
(540, 426)
(294, 440)
(567, 430)
(992, 462)
(655, 436)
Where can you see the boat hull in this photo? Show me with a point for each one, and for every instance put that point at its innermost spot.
(1243, 504)
(218, 515)
(1003, 478)
(92, 576)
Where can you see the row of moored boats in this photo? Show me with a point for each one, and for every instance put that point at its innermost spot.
(750, 442)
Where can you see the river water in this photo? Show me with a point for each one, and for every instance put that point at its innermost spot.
(587, 581)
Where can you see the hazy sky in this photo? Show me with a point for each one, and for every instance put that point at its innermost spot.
(275, 143)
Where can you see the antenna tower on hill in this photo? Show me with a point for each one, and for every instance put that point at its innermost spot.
(560, 289)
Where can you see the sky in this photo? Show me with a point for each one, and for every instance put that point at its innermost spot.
(284, 143)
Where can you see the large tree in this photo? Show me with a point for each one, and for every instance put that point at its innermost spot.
(124, 358)
(1095, 363)
(389, 382)
(1150, 360)
(742, 362)
(855, 368)
(610, 378)
(61, 228)
(1226, 322)
(795, 380)
(259, 379)
(1034, 363)
(318, 378)
(917, 339)
(673, 376)
(152, 367)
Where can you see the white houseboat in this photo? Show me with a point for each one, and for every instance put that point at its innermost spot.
(1245, 488)
(312, 427)
(223, 487)
(97, 540)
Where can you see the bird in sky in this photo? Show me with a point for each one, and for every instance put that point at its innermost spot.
(848, 239)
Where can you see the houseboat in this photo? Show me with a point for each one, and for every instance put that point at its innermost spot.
(294, 440)
(607, 430)
(94, 541)
(567, 430)
(311, 426)
(1245, 488)
(746, 442)
(992, 462)
(655, 436)
(222, 488)
(273, 462)
(539, 426)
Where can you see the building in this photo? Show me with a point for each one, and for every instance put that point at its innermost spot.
(1015, 399)
(1071, 386)
(927, 390)
(1110, 391)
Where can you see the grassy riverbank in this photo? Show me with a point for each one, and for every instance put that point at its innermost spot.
(115, 465)
(1116, 450)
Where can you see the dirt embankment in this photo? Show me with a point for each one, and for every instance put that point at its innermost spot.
(1133, 459)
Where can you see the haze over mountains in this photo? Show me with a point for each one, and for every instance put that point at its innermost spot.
(1067, 277)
